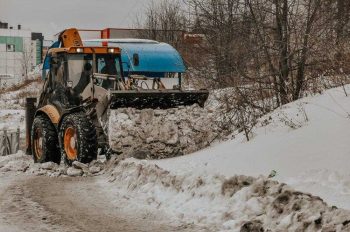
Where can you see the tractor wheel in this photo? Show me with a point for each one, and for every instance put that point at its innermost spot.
(44, 141)
(78, 139)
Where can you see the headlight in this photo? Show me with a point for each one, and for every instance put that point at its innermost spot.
(110, 50)
(80, 50)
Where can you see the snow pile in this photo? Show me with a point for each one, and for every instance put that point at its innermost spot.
(23, 163)
(17, 162)
(306, 142)
(215, 202)
(157, 134)
(162, 133)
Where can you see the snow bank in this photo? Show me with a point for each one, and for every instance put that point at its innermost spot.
(219, 203)
(306, 142)
(212, 202)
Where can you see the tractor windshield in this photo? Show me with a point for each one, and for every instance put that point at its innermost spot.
(80, 69)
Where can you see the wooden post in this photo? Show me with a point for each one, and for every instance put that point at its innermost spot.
(30, 112)
(18, 139)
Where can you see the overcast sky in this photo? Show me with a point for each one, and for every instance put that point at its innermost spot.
(52, 16)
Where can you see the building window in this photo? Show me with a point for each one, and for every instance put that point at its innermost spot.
(10, 47)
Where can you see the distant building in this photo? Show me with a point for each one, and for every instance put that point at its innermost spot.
(20, 51)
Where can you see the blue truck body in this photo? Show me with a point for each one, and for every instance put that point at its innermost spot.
(154, 59)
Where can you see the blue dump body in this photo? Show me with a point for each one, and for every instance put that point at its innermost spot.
(154, 59)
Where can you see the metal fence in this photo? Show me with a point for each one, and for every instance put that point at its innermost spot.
(9, 142)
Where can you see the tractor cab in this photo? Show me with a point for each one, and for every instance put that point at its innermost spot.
(80, 67)
(73, 69)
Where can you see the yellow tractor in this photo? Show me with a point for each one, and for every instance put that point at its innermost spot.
(83, 82)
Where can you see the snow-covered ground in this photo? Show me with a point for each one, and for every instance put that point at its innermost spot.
(226, 187)
(306, 142)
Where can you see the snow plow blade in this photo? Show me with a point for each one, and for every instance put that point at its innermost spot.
(162, 99)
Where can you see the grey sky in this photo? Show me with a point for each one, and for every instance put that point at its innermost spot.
(51, 16)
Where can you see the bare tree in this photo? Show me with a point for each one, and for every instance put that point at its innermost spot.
(274, 43)
(342, 19)
(26, 60)
(164, 21)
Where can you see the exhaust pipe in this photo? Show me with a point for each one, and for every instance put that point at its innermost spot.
(30, 112)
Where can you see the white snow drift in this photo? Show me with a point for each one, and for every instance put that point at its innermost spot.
(306, 142)
(218, 203)
(225, 187)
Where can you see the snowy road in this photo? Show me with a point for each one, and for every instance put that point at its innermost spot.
(41, 203)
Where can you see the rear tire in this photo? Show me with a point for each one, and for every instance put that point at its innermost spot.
(78, 139)
(44, 141)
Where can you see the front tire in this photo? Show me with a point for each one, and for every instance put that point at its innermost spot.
(44, 141)
(78, 139)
